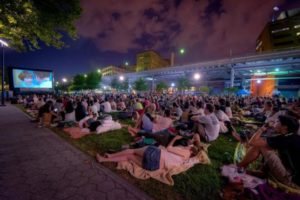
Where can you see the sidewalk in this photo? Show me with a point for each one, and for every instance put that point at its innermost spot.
(37, 164)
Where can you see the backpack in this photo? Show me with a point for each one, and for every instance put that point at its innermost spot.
(151, 158)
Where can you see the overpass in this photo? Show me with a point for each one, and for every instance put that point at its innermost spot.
(285, 63)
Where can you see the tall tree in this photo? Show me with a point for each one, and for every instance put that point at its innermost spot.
(119, 85)
(79, 82)
(27, 23)
(161, 86)
(93, 80)
(140, 85)
(183, 83)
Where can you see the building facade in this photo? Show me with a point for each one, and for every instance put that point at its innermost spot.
(112, 70)
(150, 60)
(282, 33)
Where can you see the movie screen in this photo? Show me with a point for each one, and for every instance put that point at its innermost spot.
(23, 78)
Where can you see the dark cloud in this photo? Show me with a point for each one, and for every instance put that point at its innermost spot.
(206, 28)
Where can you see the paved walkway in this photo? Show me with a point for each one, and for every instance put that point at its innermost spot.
(38, 164)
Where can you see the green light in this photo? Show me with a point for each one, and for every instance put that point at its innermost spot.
(182, 51)
(99, 70)
(85, 76)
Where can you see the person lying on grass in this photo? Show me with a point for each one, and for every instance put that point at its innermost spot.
(169, 157)
(279, 150)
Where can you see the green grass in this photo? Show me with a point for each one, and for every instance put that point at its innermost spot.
(199, 182)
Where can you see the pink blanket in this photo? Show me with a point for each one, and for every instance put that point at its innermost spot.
(75, 132)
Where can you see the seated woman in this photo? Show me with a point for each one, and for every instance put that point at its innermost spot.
(69, 112)
(145, 121)
(169, 157)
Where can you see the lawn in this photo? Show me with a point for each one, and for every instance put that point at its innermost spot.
(200, 182)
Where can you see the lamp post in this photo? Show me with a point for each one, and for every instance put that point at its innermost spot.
(3, 44)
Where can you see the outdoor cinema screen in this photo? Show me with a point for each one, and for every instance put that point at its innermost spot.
(23, 78)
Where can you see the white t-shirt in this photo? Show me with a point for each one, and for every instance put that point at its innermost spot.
(94, 108)
(228, 112)
(222, 116)
(211, 126)
(107, 106)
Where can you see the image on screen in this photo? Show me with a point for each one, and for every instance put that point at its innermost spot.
(24, 78)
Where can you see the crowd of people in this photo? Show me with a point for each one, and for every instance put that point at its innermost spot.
(180, 123)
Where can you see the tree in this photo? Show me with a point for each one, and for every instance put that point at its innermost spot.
(119, 85)
(93, 80)
(79, 82)
(231, 90)
(27, 23)
(140, 85)
(183, 83)
(161, 86)
(204, 89)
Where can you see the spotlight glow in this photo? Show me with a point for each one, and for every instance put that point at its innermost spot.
(197, 76)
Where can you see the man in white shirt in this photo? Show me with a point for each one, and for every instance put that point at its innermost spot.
(209, 126)
(106, 107)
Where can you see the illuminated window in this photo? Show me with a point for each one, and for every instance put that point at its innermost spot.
(297, 26)
(281, 30)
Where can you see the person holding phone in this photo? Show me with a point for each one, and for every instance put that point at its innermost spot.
(280, 151)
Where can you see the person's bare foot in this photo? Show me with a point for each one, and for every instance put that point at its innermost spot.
(100, 158)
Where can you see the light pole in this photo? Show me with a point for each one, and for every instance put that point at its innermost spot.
(3, 44)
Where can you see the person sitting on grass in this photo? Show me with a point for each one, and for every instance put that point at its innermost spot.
(284, 165)
(171, 156)
(145, 121)
(45, 109)
(208, 126)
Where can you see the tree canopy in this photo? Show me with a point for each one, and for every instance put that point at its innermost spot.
(93, 80)
(27, 23)
(161, 86)
(119, 85)
(140, 85)
(183, 83)
(79, 82)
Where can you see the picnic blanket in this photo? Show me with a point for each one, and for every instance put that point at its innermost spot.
(76, 132)
(163, 175)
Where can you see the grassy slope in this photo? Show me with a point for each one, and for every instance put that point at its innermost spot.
(200, 182)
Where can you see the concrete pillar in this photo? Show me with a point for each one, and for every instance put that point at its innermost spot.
(232, 77)
(152, 84)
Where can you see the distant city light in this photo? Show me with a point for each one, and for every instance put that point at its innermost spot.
(104, 87)
(197, 76)
(276, 8)
(85, 76)
(277, 69)
(172, 84)
(121, 78)
(126, 63)
(258, 71)
(57, 82)
(182, 51)
(99, 70)
(64, 80)
(258, 81)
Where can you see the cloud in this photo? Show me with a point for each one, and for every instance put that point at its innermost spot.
(206, 28)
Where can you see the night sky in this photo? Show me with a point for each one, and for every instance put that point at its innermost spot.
(113, 31)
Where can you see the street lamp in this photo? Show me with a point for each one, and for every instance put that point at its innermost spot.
(172, 84)
(126, 63)
(121, 78)
(275, 9)
(181, 51)
(197, 76)
(85, 76)
(64, 80)
(99, 70)
(3, 44)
